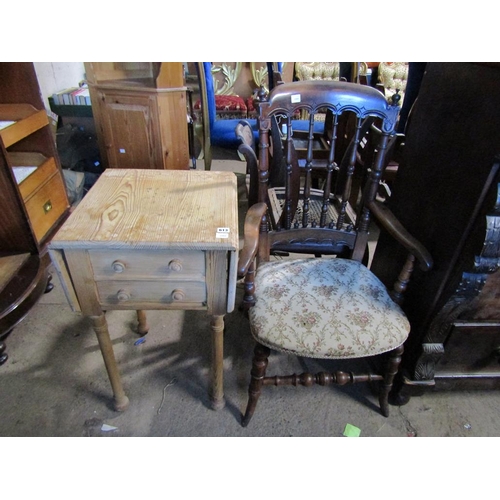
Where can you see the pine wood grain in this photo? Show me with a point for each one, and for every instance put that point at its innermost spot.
(154, 209)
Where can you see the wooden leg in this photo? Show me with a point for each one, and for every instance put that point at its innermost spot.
(49, 286)
(217, 390)
(142, 327)
(386, 384)
(100, 326)
(3, 354)
(259, 366)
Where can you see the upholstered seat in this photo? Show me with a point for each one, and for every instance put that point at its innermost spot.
(330, 306)
(325, 308)
(226, 107)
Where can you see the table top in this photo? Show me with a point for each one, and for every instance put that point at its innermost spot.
(154, 209)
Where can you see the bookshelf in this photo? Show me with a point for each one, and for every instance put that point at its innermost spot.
(70, 110)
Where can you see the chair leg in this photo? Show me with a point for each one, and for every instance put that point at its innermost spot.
(386, 385)
(259, 366)
(3, 355)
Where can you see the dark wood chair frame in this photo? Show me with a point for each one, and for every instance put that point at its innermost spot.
(345, 236)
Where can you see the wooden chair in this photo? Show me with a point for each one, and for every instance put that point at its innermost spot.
(247, 149)
(331, 307)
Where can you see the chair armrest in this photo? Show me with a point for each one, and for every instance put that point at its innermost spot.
(392, 225)
(252, 171)
(251, 231)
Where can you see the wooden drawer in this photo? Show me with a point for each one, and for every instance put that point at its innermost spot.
(156, 293)
(46, 205)
(145, 264)
(45, 168)
(27, 120)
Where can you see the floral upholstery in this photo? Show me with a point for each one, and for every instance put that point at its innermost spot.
(325, 308)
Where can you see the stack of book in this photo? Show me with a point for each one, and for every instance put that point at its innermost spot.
(72, 96)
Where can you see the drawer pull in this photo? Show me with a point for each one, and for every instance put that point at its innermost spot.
(178, 294)
(47, 207)
(118, 266)
(175, 265)
(123, 295)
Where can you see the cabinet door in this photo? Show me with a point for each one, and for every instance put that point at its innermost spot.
(130, 129)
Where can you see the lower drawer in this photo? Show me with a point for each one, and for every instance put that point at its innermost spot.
(113, 293)
(47, 205)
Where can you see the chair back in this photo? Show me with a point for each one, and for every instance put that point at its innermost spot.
(331, 217)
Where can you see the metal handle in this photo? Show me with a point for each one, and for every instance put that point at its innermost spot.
(47, 207)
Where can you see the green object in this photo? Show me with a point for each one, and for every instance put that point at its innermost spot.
(352, 431)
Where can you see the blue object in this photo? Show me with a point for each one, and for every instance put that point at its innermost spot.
(221, 132)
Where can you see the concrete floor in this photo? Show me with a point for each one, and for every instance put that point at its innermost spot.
(55, 384)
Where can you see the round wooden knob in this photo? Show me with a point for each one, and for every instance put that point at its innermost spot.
(122, 295)
(178, 294)
(118, 266)
(175, 265)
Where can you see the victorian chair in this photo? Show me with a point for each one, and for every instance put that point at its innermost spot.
(331, 307)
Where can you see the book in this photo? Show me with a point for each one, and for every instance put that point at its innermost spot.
(75, 96)
(85, 97)
(62, 97)
(67, 95)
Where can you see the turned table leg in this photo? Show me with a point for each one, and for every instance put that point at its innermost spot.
(217, 389)
(142, 327)
(100, 326)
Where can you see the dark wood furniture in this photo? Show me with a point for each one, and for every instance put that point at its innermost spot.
(446, 193)
(33, 200)
(329, 308)
(23, 280)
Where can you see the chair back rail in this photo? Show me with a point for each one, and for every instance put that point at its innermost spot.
(305, 217)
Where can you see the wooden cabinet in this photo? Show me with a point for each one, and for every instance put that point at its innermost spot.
(446, 193)
(34, 199)
(140, 112)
